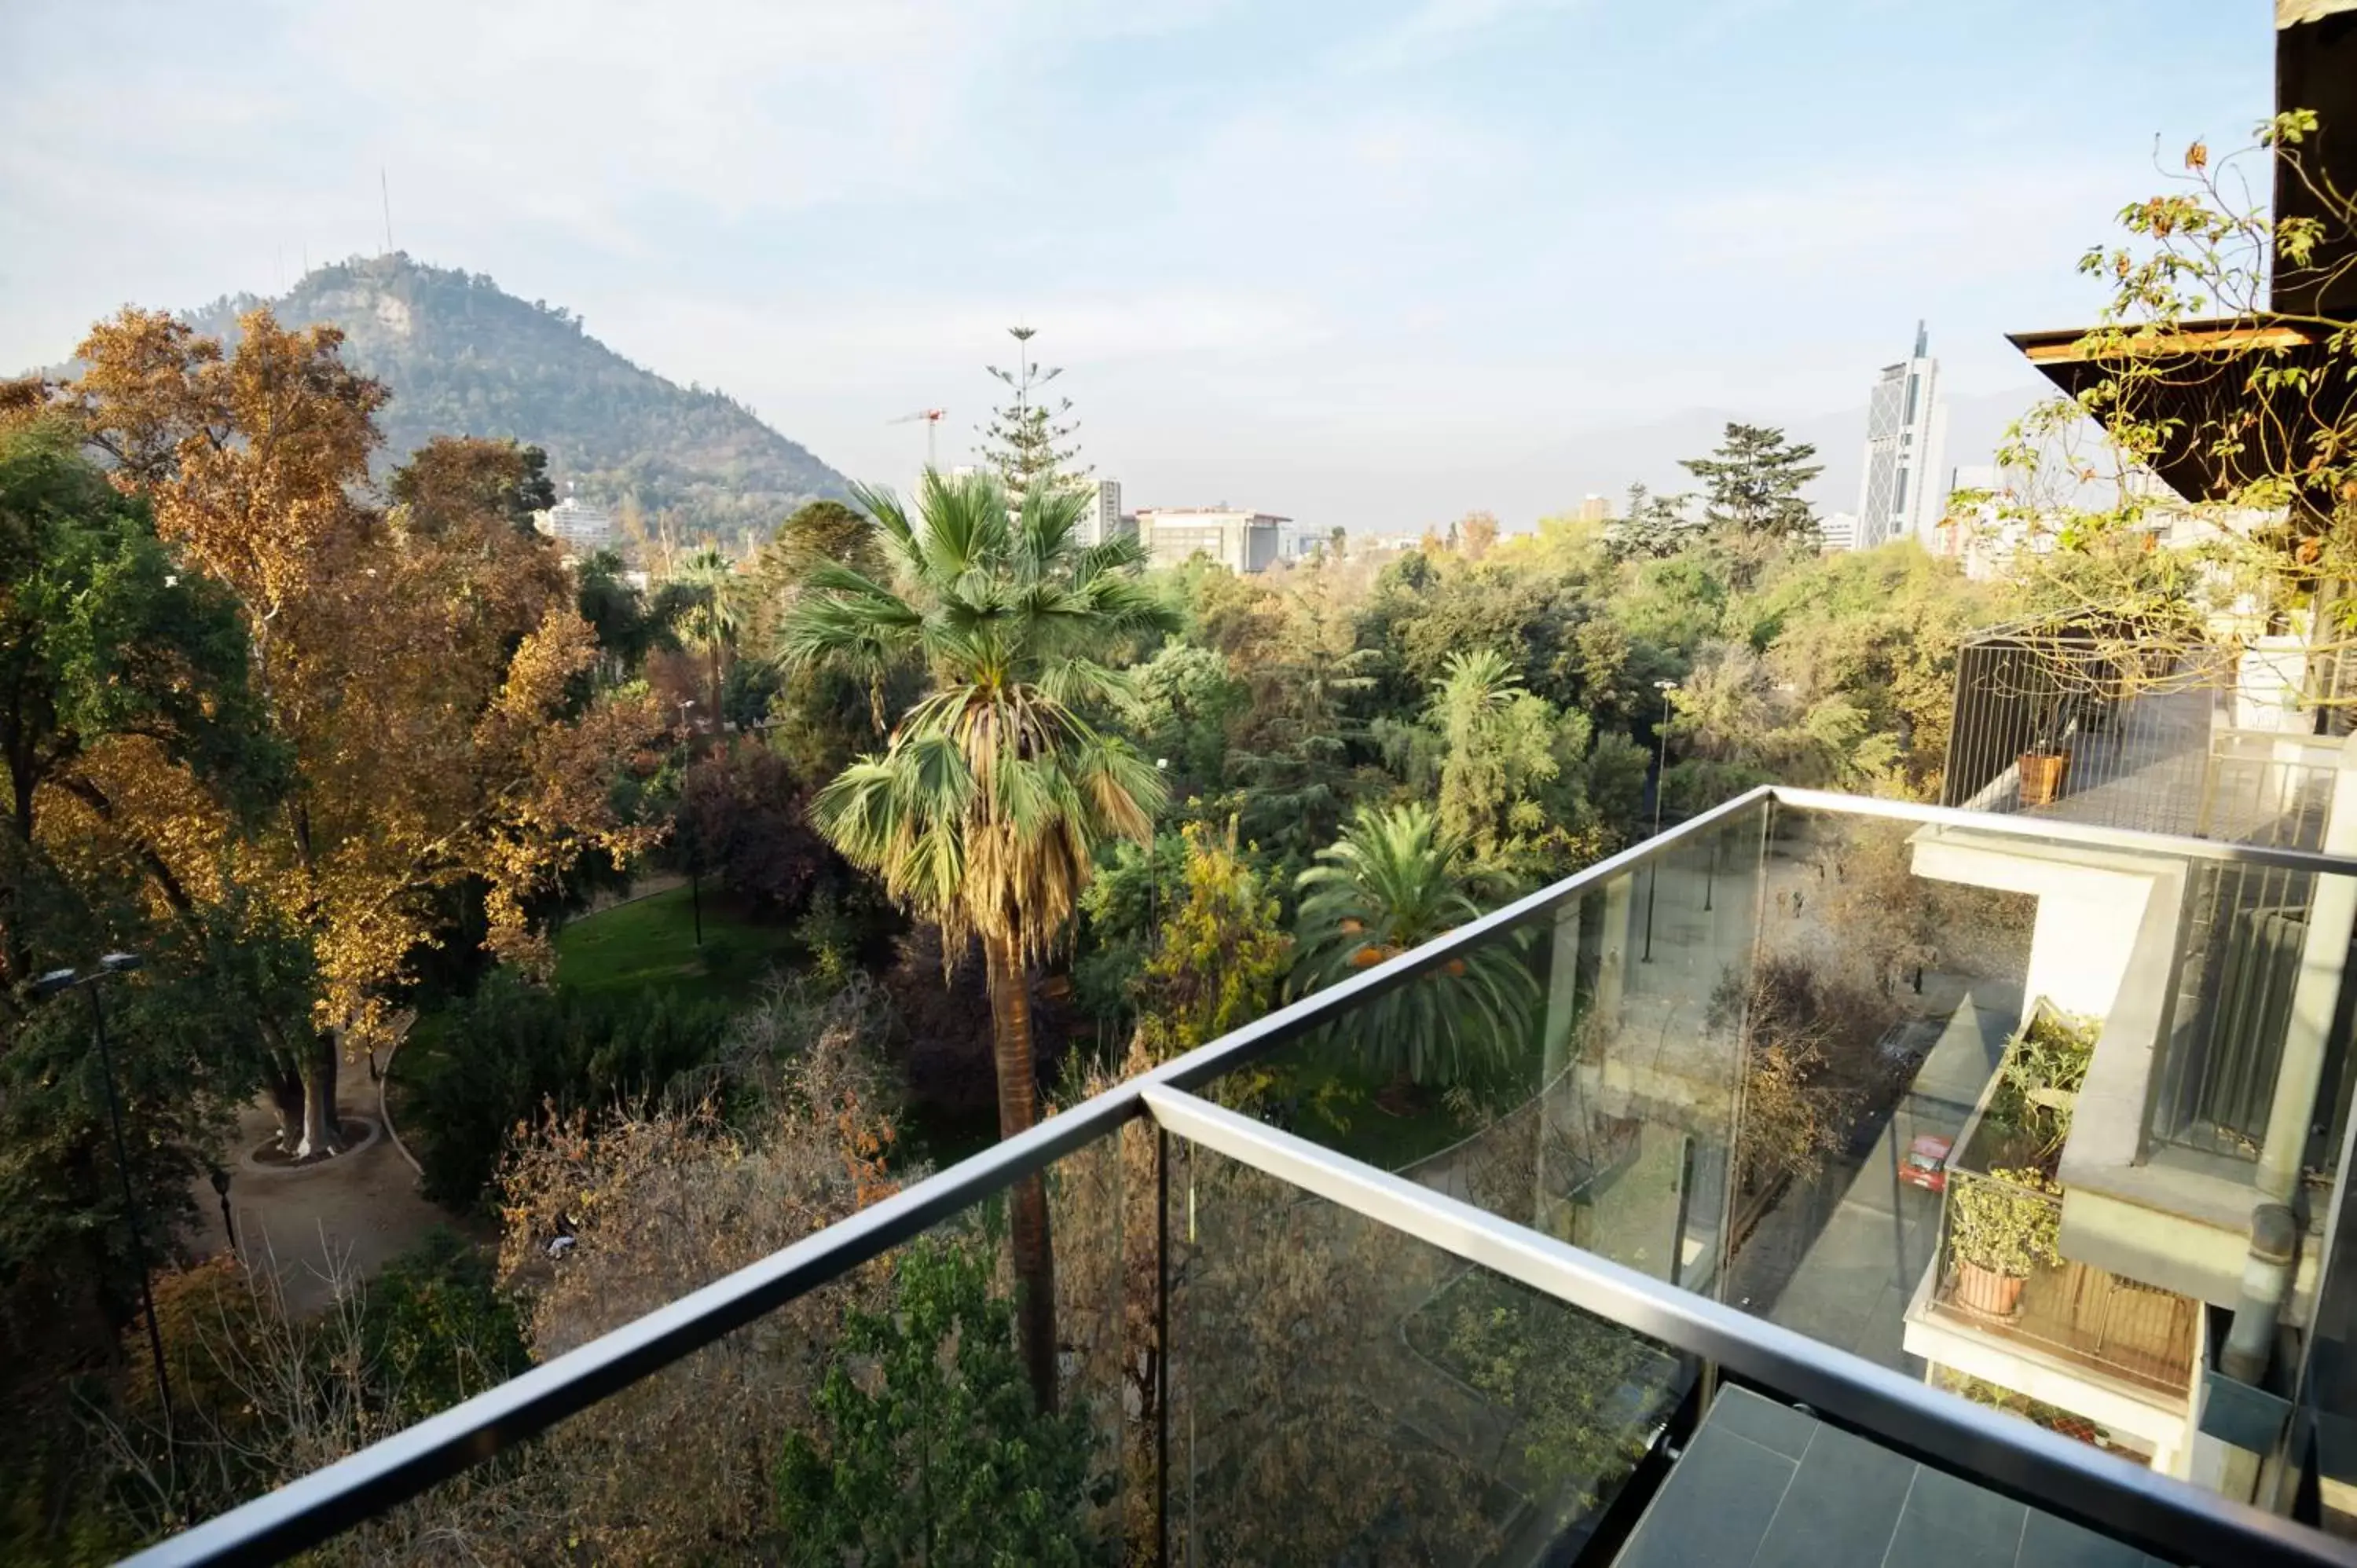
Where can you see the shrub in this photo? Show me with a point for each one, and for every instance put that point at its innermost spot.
(2009, 1225)
(497, 1059)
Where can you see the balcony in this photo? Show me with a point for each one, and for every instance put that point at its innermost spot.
(2007, 1315)
(1642, 1268)
(2086, 1316)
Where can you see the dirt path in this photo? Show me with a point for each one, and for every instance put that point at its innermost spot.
(347, 1216)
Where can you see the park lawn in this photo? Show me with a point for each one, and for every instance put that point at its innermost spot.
(651, 942)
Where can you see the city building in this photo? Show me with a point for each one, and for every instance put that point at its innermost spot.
(576, 524)
(1838, 530)
(1595, 509)
(1300, 541)
(1903, 489)
(1105, 519)
(1240, 539)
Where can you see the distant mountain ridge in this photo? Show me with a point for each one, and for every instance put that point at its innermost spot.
(462, 356)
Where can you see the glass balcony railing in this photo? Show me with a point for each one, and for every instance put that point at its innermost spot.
(1584, 1233)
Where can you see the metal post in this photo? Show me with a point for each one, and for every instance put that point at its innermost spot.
(1161, 1346)
(1661, 768)
(131, 1206)
(695, 902)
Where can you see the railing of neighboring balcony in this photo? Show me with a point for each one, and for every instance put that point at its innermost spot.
(2001, 1264)
(1275, 1349)
(2052, 1303)
(2050, 721)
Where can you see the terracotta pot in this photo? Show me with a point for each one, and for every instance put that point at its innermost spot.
(1986, 1291)
(2042, 773)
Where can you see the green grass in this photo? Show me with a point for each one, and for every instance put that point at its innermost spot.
(651, 942)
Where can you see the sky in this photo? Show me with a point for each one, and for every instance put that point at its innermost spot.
(1373, 262)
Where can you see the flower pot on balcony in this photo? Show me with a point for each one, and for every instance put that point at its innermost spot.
(2042, 773)
(1987, 1292)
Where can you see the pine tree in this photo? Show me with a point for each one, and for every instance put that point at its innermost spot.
(1752, 483)
(1025, 442)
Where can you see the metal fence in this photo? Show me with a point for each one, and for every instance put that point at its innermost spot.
(2147, 746)
(2151, 1512)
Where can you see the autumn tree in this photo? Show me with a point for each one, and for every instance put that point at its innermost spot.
(452, 479)
(420, 664)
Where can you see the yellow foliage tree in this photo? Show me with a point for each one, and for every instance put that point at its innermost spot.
(423, 663)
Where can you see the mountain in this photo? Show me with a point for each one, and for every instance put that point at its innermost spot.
(463, 358)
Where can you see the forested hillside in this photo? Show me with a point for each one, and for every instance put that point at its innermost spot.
(463, 358)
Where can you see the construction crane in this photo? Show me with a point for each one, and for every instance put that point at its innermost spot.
(932, 418)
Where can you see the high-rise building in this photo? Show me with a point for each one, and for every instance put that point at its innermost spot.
(1104, 519)
(1595, 509)
(1904, 487)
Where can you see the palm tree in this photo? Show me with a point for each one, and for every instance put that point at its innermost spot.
(715, 612)
(1395, 880)
(986, 807)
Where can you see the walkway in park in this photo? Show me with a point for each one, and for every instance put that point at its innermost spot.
(345, 1216)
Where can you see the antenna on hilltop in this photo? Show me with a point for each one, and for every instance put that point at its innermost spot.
(385, 190)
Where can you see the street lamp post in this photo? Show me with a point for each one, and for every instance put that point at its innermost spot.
(1661, 766)
(55, 983)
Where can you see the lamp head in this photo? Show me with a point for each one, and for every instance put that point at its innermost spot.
(121, 962)
(57, 980)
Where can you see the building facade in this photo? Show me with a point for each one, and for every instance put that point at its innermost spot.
(1239, 539)
(1105, 519)
(1903, 489)
(576, 525)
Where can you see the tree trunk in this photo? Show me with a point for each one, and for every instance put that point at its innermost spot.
(321, 1135)
(285, 1081)
(1018, 1094)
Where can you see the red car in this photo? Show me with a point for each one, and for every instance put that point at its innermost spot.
(1926, 1165)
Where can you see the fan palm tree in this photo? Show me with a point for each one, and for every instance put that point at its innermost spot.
(715, 614)
(984, 809)
(1394, 880)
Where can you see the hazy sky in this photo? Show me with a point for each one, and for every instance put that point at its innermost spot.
(1374, 262)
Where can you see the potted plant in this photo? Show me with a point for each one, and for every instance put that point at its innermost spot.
(2000, 1226)
(2047, 764)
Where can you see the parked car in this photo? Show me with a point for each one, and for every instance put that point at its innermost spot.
(1926, 1165)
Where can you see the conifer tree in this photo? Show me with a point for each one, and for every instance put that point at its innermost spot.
(1028, 441)
(1752, 483)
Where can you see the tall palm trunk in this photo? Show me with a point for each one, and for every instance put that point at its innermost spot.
(1035, 1257)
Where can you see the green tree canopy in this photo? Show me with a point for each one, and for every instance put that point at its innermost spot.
(1394, 881)
(1751, 485)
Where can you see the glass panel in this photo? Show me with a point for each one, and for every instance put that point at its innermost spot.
(1577, 1074)
(1342, 1392)
(1875, 1012)
(879, 1416)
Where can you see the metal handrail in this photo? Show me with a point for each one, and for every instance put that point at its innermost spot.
(310, 1510)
